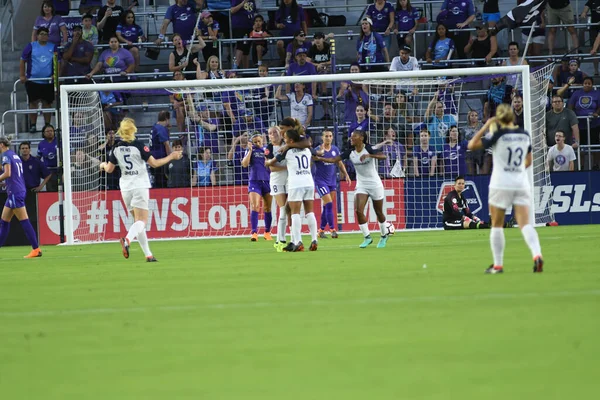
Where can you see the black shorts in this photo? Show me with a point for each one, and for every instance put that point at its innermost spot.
(40, 91)
(453, 225)
(240, 45)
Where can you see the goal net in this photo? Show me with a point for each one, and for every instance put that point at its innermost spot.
(206, 194)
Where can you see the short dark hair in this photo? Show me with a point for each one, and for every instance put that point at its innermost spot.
(164, 115)
(177, 142)
(588, 78)
(513, 44)
(43, 29)
(86, 16)
(77, 27)
(459, 177)
(26, 143)
(293, 134)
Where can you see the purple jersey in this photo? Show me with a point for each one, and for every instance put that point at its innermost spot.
(53, 25)
(365, 125)
(393, 152)
(424, 158)
(306, 69)
(83, 49)
(455, 159)
(283, 16)
(204, 29)
(117, 62)
(33, 171)
(585, 104)
(242, 125)
(183, 19)
(290, 47)
(370, 48)
(258, 170)
(47, 152)
(15, 183)
(458, 12)
(325, 172)
(352, 98)
(406, 20)
(380, 18)
(130, 32)
(160, 135)
(244, 18)
(236, 100)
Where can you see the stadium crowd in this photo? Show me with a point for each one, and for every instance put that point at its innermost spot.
(109, 44)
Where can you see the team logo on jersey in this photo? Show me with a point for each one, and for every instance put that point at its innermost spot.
(456, 10)
(146, 148)
(31, 167)
(183, 17)
(333, 153)
(470, 194)
(267, 152)
(560, 159)
(585, 101)
(112, 61)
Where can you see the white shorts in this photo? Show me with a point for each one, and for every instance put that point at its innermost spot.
(278, 189)
(301, 194)
(505, 198)
(534, 39)
(136, 198)
(374, 193)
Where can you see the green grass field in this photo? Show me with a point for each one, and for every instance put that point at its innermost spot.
(231, 319)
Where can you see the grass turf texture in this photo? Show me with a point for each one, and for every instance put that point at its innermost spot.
(231, 319)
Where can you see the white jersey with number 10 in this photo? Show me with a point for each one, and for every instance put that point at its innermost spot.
(298, 165)
(131, 159)
(510, 148)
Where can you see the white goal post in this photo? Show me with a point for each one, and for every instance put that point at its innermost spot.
(207, 86)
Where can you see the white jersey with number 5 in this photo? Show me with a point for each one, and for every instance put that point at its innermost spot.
(298, 165)
(131, 159)
(510, 148)
(366, 171)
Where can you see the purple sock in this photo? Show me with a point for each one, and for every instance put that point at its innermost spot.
(30, 233)
(4, 229)
(329, 212)
(324, 216)
(268, 221)
(254, 221)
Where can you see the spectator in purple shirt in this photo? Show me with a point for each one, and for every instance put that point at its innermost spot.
(289, 19)
(424, 156)
(62, 7)
(395, 154)
(48, 155)
(208, 32)
(77, 55)
(33, 169)
(89, 6)
(586, 103)
(383, 16)
(129, 32)
(234, 156)
(242, 20)
(160, 146)
(458, 14)
(299, 42)
(353, 95)
(370, 48)
(57, 29)
(406, 23)
(454, 155)
(183, 16)
(108, 19)
(362, 121)
(303, 67)
(114, 61)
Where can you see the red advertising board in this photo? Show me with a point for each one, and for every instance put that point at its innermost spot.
(195, 212)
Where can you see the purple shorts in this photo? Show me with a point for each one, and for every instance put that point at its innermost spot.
(15, 200)
(324, 189)
(260, 187)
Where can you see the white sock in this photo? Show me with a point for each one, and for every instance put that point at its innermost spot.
(296, 228)
(364, 228)
(382, 229)
(497, 243)
(281, 224)
(312, 226)
(135, 230)
(531, 238)
(143, 240)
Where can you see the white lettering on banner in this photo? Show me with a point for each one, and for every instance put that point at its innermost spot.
(217, 217)
(566, 198)
(196, 224)
(179, 213)
(160, 217)
(97, 216)
(120, 215)
(242, 210)
(596, 200)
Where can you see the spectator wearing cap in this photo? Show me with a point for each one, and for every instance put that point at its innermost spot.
(57, 29)
(109, 17)
(289, 19)
(249, 123)
(208, 31)
(259, 31)
(242, 21)
(406, 22)
(370, 47)
(160, 146)
(456, 15)
(36, 70)
(405, 62)
(560, 12)
(320, 55)
(301, 103)
(303, 67)
(383, 16)
(77, 55)
(34, 170)
(183, 16)
(299, 42)
(482, 45)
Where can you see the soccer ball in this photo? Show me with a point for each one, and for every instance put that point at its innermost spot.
(390, 229)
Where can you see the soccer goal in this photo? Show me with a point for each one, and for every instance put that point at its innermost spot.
(207, 196)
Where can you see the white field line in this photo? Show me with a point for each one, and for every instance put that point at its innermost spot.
(293, 304)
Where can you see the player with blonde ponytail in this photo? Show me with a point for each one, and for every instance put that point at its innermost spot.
(509, 184)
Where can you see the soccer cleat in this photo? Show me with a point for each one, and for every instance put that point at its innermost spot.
(313, 246)
(151, 259)
(267, 236)
(254, 237)
(334, 234)
(494, 270)
(368, 240)
(34, 253)
(298, 247)
(322, 234)
(125, 247)
(279, 246)
(382, 242)
(538, 264)
(289, 248)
